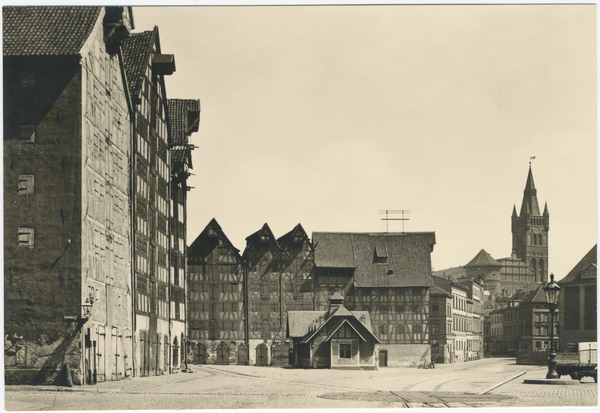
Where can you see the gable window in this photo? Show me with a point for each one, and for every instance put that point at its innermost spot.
(26, 185)
(26, 237)
(345, 351)
(27, 134)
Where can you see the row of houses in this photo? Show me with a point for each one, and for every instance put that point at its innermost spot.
(252, 308)
(522, 326)
(96, 159)
(261, 306)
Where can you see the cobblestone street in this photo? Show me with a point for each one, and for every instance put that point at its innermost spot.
(470, 384)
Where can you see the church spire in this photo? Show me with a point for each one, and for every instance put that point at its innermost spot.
(530, 203)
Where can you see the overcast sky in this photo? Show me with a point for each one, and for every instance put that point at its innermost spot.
(325, 115)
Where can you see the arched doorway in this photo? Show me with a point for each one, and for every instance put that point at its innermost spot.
(127, 353)
(182, 352)
(175, 353)
(144, 362)
(166, 354)
(200, 355)
(281, 354)
(242, 355)
(262, 356)
(155, 355)
(222, 354)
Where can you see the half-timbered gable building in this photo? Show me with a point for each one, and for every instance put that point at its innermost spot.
(161, 163)
(297, 274)
(388, 275)
(265, 318)
(184, 118)
(216, 325)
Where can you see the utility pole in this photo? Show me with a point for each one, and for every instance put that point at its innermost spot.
(394, 211)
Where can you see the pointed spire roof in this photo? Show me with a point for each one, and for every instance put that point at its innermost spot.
(483, 259)
(530, 202)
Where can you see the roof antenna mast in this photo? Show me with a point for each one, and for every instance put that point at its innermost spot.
(394, 211)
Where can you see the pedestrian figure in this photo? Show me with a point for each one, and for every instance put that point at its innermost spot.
(433, 363)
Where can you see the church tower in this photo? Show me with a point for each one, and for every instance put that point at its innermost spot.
(530, 232)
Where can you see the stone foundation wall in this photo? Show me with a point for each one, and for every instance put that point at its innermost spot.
(44, 362)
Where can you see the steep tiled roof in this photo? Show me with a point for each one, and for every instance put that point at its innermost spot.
(535, 296)
(446, 285)
(334, 321)
(136, 55)
(457, 272)
(300, 321)
(483, 259)
(287, 240)
(264, 231)
(588, 263)
(180, 119)
(208, 240)
(46, 31)
(334, 250)
(180, 154)
(408, 262)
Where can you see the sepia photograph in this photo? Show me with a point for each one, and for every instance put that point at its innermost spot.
(299, 206)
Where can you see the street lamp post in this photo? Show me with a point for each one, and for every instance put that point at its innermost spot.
(552, 291)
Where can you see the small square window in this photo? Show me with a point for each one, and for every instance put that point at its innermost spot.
(26, 184)
(27, 134)
(345, 351)
(26, 237)
(27, 79)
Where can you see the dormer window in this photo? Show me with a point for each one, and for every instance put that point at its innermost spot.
(380, 255)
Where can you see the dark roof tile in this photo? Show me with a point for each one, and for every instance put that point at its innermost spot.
(46, 31)
(184, 115)
(408, 263)
(136, 55)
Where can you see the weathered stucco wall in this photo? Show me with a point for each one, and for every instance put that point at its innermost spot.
(407, 355)
(42, 282)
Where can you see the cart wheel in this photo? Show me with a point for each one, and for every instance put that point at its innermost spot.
(574, 376)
